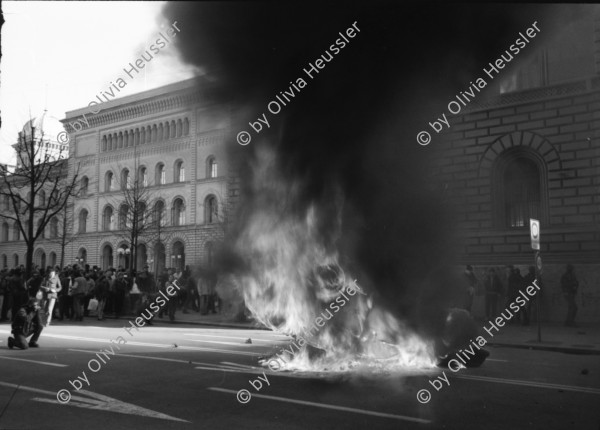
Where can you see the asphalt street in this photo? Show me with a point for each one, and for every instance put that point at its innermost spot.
(183, 377)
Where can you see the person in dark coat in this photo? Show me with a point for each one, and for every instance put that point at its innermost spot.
(27, 322)
(569, 285)
(470, 284)
(493, 289)
(101, 294)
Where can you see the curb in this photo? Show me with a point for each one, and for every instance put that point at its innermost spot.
(563, 349)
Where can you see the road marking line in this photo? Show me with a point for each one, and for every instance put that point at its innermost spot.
(174, 360)
(531, 384)
(325, 406)
(98, 402)
(254, 339)
(45, 363)
(155, 345)
(245, 345)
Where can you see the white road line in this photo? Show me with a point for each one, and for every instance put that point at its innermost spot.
(254, 339)
(530, 384)
(155, 345)
(325, 406)
(98, 402)
(173, 360)
(245, 345)
(45, 363)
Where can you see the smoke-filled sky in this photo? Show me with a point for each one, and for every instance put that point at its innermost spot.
(353, 125)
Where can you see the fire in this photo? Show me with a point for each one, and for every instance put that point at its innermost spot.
(295, 284)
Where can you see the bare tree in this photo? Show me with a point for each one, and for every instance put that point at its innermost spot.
(62, 230)
(37, 189)
(136, 210)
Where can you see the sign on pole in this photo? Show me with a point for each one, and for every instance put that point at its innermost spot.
(534, 230)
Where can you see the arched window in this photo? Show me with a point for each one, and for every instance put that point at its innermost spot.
(16, 260)
(54, 228)
(125, 138)
(83, 217)
(125, 179)
(5, 232)
(178, 215)
(178, 255)
(148, 134)
(143, 176)
(109, 181)
(142, 136)
(167, 130)
(179, 128)
(104, 144)
(141, 213)
(211, 210)
(154, 131)
(211, 167)
(83, 187)
(160, 257)
(16, 232)
(160, 132)
(4, 261)
(120, 140)
(160, 175)
(110, 143)
(186, 127)
(137, 136)
(42, 198)
(107, 218)
(107, 257)
(141, 256)
(52, 259)
(159, 213)
(124, 220)
(517, 189)
(179, 172)
(43, 233)
(173, 129)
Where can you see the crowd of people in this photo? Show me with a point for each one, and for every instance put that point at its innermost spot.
(77, 292)
(493, 288)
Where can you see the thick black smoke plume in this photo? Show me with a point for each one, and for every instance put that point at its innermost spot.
(353, 127)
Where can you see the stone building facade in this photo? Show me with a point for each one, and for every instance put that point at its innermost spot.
(531, 152)
(173, 140)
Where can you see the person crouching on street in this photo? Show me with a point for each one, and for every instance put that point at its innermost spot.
(27, 323)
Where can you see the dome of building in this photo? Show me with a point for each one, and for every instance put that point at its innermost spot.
(45, 125)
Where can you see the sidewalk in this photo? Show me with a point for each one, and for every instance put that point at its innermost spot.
(218, 320)
(584, 339)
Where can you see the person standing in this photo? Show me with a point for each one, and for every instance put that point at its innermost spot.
(78, 291)
(204, 292)
(51, 288)
(515, 284)
(470, 286)
(528, 280)
(493, 288)
(134, 296)
(101, 293)
(18, 290)
(172, 305)
(120, 288)
(569, 285)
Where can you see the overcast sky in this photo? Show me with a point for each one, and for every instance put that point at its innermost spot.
(59, 55)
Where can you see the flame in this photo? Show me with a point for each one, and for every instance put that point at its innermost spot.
(296, 285)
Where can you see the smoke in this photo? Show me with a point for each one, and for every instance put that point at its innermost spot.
(351, 131)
